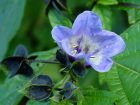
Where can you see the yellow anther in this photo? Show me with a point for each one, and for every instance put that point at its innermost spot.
(92, 56)
(74, 45)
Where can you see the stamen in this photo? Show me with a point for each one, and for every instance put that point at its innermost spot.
(82, 44)
(96, 59)
(74, 45)
(92, 58)
(74, 52)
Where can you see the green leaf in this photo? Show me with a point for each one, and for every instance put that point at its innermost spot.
(46, 54)
(90, 79)
(45, 68)
(133, 15)
(112, 18)
(3, 74)
(33, 102)
(124, 77)
(108, 2)
(92, 96)
(11, 13)
(9, 91)
(56, 18)
(105, 13)
(64, 102)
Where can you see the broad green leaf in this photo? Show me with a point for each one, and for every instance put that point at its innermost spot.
(108, 2)
(124, 77)
(33, 19)
(90, 79)
(92, 96)
(46, 54)
(106, 15)
(43, 68)
(9, 91)
(57, 18)
(11, 12)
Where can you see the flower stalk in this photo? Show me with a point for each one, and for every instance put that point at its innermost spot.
(44, 61)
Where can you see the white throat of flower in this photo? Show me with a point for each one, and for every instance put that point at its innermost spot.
(86, 45)
(82, 43)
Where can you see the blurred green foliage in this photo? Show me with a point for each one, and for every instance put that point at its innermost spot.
(26, 22)
(11, 13)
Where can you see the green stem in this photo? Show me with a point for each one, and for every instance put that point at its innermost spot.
(63, 81)
(44, 61)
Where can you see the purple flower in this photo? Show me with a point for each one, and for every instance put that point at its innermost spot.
(86, 40)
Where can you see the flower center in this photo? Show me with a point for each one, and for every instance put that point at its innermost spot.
(82, 43)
